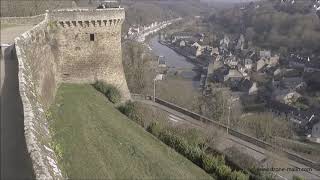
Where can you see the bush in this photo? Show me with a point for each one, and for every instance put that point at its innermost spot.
(209, 163)
(195, 155)
(297, 178)
(155, 128)
(127, 109)
(214, 165)
(223, 172)
(238, 175)
(111, 92)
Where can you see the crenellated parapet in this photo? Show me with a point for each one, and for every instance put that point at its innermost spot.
(92, 23)
(82, 18)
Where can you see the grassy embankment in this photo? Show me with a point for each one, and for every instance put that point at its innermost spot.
(94, 140)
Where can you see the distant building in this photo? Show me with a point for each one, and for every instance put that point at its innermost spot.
(224, 43)
(277, 72)
(260, 64)
(233, 78)
(248, 64)
(274, 60)
(292, 83)
(215, 51)
(265, 54)
(182, 43)
(245, 85)
(196, 49)
(286, 96)
(315, 133)
(233, 74)
(231, 61)
(199, 37)
(307, 120)
(240, 43)
(253, 89)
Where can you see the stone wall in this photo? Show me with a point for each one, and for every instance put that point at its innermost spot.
(37, 86)
(89, 44)
(22, 20)
(76, 46)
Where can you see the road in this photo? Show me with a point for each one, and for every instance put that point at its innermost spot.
(252, 150)
(141, 36)
(15, 161)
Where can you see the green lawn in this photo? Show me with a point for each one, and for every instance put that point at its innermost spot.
(96, 141)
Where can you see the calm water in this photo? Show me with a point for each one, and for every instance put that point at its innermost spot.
(172, 58)
(175, 61)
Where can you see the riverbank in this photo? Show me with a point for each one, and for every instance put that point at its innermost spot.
(203, 65)
(184, 54)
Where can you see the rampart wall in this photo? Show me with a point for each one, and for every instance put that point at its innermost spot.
(37, 86)
(22, 20)
(76, 46)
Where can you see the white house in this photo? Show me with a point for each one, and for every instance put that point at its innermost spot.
(182, 43)
(253, 89)
(248, 64)
(197, 49)
(315, 134)
(274, 60)
(260, 64)
(265, 54)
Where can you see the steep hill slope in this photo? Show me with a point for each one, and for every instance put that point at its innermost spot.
(94, 140)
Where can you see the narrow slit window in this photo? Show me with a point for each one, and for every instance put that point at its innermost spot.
(91, 37)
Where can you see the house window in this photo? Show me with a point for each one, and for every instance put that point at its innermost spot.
(91, 37)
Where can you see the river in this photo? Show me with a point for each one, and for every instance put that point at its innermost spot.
(175, 62)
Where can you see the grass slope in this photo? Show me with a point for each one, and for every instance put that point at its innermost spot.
(96, 141)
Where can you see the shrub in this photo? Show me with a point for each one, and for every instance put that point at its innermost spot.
(209, 163)
(238, 175)
(155, 128)
(127, 109)
(111, 92)
(195, 155)
(223, 172)
(221, 160)
(297, 178)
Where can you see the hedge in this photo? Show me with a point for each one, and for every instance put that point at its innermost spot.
(214, 165)
(111, 92)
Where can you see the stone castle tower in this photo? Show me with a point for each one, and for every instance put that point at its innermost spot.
(89, 46)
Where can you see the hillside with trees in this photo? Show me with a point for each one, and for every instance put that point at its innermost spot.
(275, 25)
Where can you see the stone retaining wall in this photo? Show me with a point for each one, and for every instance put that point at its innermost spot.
(36, 76)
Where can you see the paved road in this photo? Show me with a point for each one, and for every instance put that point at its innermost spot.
(15, 161)
(246, 147)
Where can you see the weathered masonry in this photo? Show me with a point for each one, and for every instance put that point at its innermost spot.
(89, 45)
(72, 45)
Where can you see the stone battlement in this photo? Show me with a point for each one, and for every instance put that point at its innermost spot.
(86, 14)
(72, 18)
